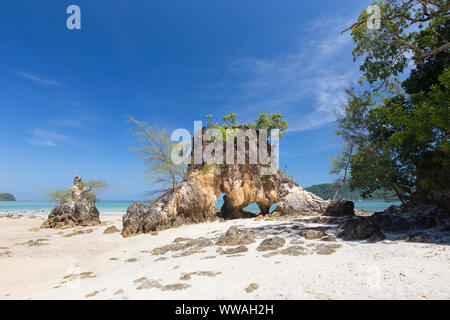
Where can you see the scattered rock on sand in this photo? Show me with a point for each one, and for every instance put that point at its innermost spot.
(329, 239)
(293, 251)
(140, 280)
(110, 230)
(87, 275)
(78, 232)
(177, 246)
(175, 287)
(234, 250)
(207, 273)
(312, 234)
(188, 252)
(186, 276)
(340, 208)
(297, 241)
(6, 252)
(34, 229)
(322, 220)
(181, 239)
(234, 237)
(208, 257)
(36, 243)
(74, 276)
(414, 237)
(131, 260)
(93, 293)
(360, 228)
(120, 291)
(161, 259)
(148, 284)
(326, 249)
(252, 287)
(271, 244)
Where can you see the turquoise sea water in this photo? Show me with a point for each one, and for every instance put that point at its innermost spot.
(120, 207)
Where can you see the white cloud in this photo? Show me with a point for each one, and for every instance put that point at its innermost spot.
(42, 137)
(305, 85)
(38, 80)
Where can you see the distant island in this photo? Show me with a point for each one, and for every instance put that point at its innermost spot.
(7, 197)
(326, 191)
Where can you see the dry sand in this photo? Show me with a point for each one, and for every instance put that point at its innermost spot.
(94, 265)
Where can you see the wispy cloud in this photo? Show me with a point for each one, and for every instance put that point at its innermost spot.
(306, 85)
(42, 137)
(69, 123)
(39, 80)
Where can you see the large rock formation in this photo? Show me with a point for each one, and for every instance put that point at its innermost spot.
(190, 201)
(76, 208)
(194, 200)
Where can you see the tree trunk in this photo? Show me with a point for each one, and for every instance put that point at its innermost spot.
(344, 180)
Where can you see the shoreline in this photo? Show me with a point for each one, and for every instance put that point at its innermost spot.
(38, 210)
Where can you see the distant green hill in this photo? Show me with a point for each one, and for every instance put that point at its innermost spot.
(326, 191)
(7, 197)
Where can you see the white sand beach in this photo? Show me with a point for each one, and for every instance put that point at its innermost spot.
(60, 264)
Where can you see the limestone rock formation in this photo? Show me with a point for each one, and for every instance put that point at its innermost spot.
(340, 208)
(194, 199)
(76, 208)
(191, 201)
(293, 199)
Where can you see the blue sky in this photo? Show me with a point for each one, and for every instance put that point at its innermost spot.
(65, 94)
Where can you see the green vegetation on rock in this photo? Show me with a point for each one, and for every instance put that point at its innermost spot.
(7, 197)
(93, 187)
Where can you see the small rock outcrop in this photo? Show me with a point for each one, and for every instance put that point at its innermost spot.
(295, 200)
(110, 230)
(360, 228)
(312, 234)
(402, 219)
(235, 236)
(340, 208)
(76, 208)
(271, 244)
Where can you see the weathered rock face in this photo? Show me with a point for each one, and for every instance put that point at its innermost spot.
(400, 219)
(191, 201)
(340, 208)
(77, 208)
(194, 200)
(360, 228)
(234, 237)
(293, 199)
